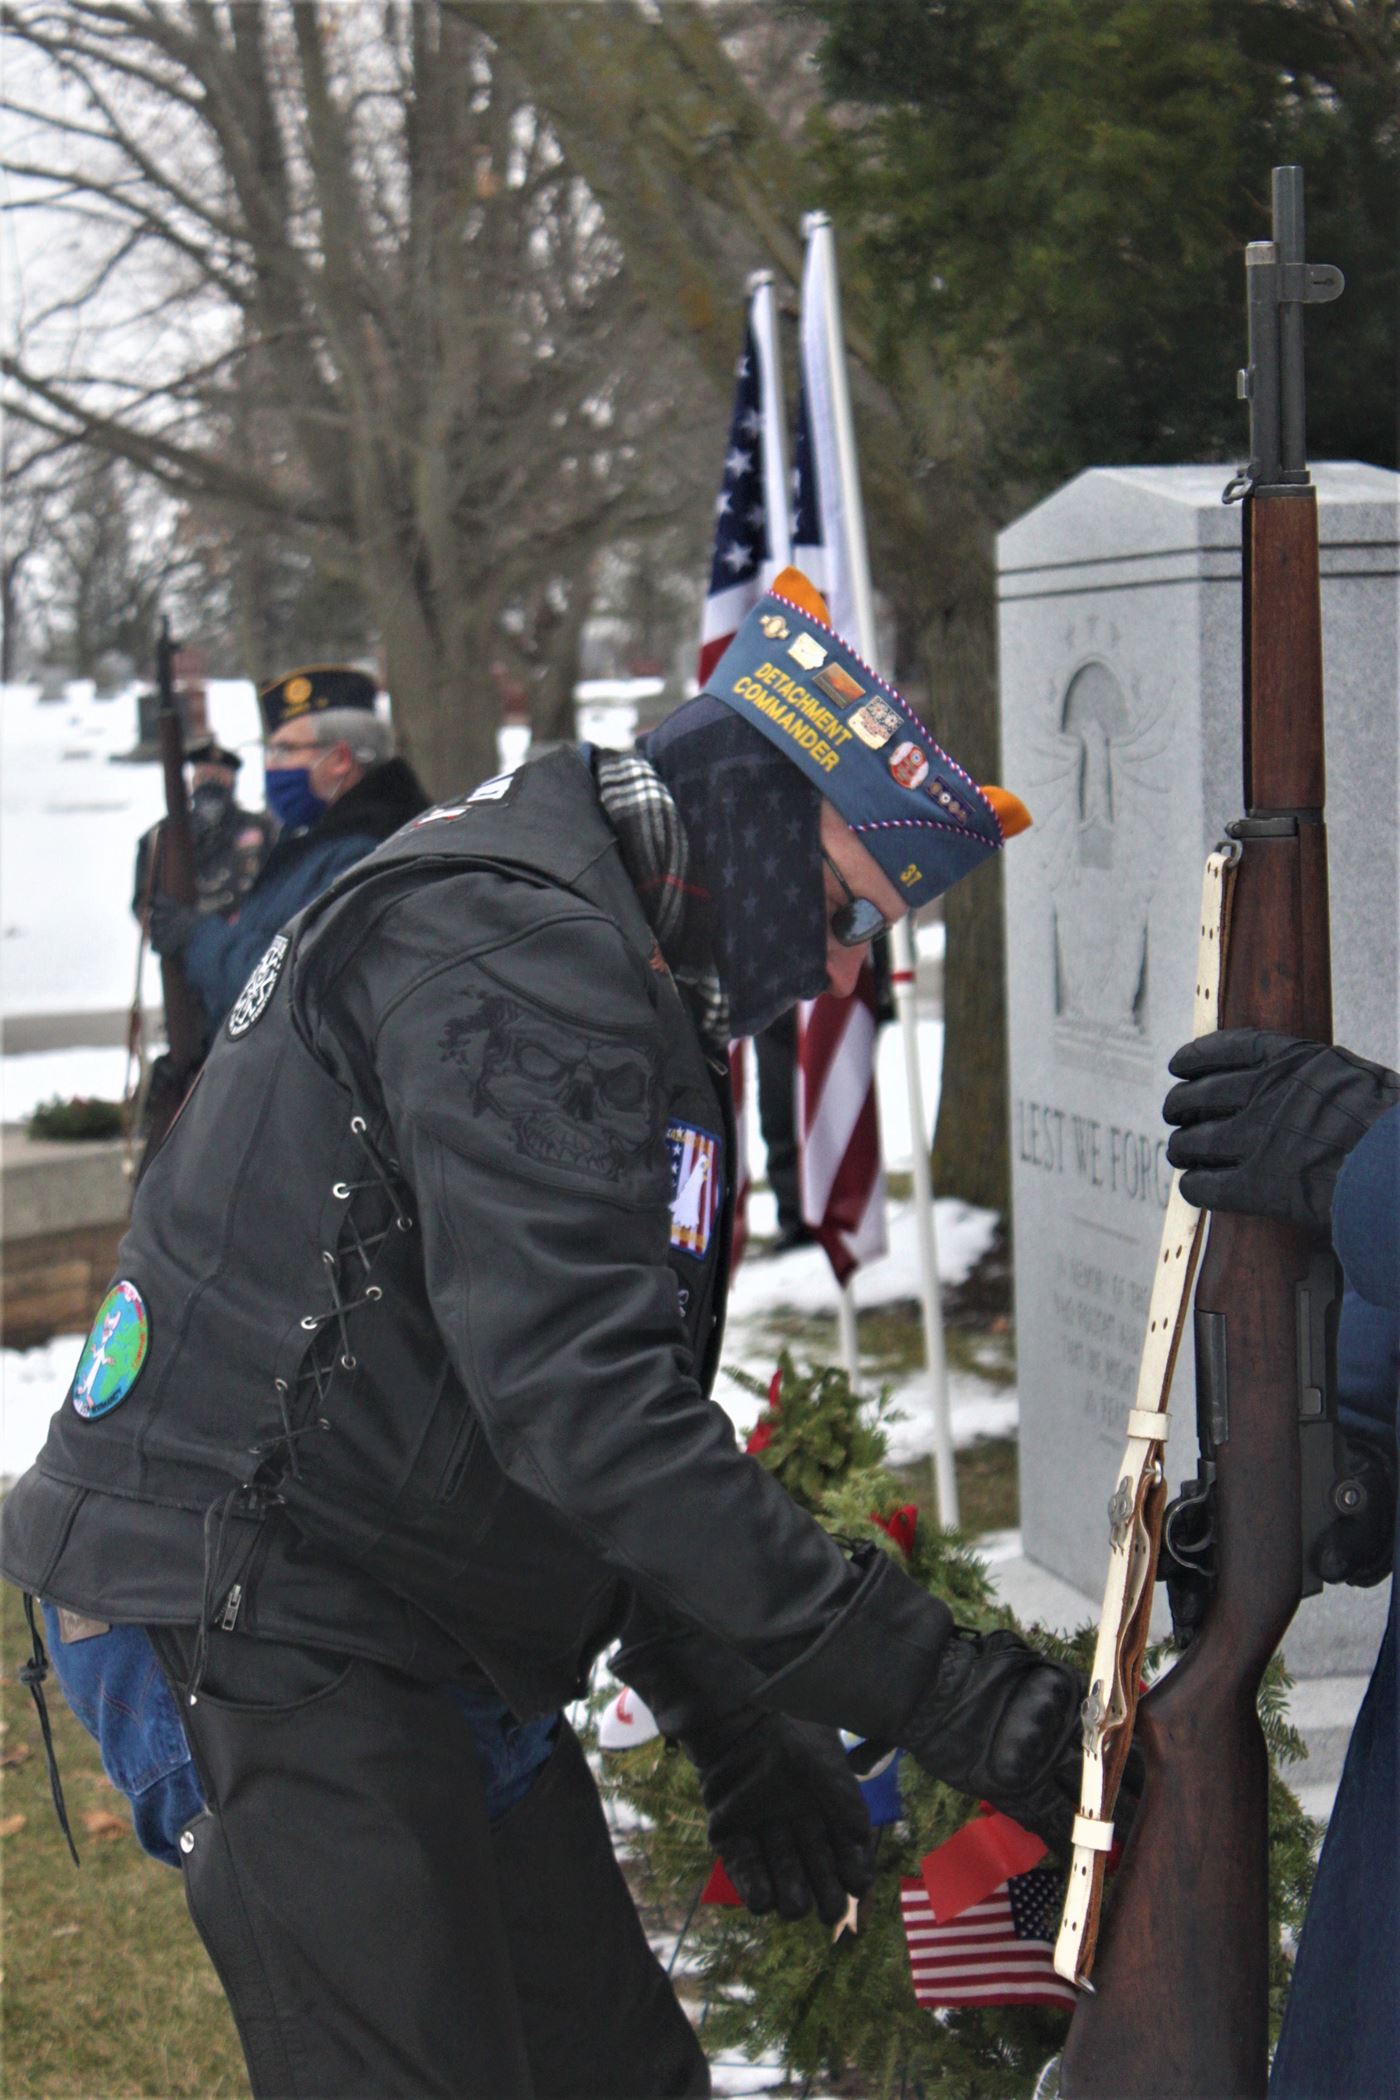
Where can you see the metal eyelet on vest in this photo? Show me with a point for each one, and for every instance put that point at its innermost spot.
(341, 1191)
(310, 1322)
(358, 1125)
(374, 1291)
(405, 1224)
(349, 1363)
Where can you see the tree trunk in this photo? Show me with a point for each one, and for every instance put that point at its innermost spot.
(446, 711)
(970, 1158)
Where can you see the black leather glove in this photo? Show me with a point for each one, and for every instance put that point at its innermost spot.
(1002, 1722)
(171, 924)
(786, 1814)
(1266, 1120)
(1360, 1546)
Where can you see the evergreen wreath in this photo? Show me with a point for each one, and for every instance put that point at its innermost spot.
(846, 2011)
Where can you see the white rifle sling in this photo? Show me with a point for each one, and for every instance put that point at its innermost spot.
(1137, 1504)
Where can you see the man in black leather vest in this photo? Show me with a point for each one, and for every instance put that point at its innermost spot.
(397, 1413)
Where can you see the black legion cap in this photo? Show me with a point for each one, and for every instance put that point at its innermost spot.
(313, 691)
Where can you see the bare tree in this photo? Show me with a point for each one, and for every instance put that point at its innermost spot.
(469, 257)
(350, 230)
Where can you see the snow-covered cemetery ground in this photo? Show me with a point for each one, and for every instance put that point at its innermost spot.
(71, 810)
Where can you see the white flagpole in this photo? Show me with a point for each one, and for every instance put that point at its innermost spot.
(820, 238)
(777, 513)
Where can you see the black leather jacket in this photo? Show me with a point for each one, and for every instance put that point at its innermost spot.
(434, 1264)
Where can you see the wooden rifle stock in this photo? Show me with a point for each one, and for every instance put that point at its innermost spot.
(174, 876)
(1179, 2009)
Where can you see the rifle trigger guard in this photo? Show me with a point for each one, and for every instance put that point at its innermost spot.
(1188, 1529)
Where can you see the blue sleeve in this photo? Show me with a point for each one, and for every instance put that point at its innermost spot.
(1366, 1234)
(1366, 1213)
(1368, 1367)
(220, 955)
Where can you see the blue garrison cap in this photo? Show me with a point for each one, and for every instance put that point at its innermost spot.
(925, 820)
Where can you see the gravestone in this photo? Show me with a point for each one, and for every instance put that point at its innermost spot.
(1120, 694)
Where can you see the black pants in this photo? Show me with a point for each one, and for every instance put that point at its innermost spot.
(377, 1936)
(775, 1052)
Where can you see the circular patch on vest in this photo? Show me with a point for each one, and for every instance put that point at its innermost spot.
(248, 1006)
(113, 1353)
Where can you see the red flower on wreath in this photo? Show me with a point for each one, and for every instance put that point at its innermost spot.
(761, 1435)
(899, 1525)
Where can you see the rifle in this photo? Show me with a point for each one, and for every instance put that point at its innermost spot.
(172, 873)
(1178, 2009)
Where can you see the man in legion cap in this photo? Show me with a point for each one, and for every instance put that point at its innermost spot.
(417, 1423)
(335, 790)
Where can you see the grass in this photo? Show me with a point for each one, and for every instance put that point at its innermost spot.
(988, 1496)
(107, 1990)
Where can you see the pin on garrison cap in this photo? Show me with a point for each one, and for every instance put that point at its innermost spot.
(923, 818)
(312, 691)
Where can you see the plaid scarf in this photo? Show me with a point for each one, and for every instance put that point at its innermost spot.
(656, 854)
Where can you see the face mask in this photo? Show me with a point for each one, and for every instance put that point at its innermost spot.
(209, 805)
(291, 797)
(753, 823)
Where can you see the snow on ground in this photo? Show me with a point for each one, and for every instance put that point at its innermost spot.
(33, 1383)
(801, 1281)
(70, 816)
(36, 1076)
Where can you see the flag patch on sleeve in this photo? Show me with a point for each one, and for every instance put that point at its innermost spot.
(695, 1187)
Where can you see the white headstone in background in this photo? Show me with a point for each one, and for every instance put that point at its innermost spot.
(1120, 694)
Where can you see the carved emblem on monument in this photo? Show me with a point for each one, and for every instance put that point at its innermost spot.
(1100, 808)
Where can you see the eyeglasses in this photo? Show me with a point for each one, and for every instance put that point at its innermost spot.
(856, 921)
(283, 754)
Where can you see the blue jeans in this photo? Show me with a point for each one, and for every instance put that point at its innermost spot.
(118, 1691)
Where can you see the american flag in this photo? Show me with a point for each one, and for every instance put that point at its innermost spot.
(842, 1175)
(751, 542)
(998, 1951)
(742, 547)
(843, 1178)
(694, 1156)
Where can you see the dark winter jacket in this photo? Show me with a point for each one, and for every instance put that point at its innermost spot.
(1341, 2030)
(229, 856)
(301, 864)
(433, 1266)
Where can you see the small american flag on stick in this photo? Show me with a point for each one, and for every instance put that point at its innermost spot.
(979, 1931)
(997, 1953)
